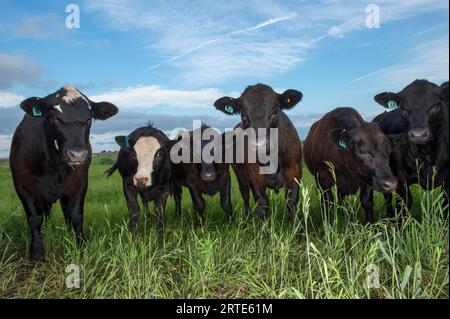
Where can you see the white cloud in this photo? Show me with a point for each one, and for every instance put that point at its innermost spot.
(154, 95)
(230, 34)
(351, 15)
(210, 42)
(8, 99)
(429, 60)
(5, 143)
(16, 68)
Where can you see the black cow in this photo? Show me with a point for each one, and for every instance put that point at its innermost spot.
(144, 164)
(359, 152)
(205, 177)
(262, 108)
(445, 95)
(50, 158)
(421, 110)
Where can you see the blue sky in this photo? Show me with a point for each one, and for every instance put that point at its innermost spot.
(167, 61)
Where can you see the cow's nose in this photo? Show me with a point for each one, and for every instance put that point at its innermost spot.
(419, 136)
(207, 177)
(77, 155)
(389, 185)
(141, 182)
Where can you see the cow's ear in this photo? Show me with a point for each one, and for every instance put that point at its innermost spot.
(341, 138)
(123, 141)
(389, 100)
(103, 110)
(34, 106)
(289, 99)
(228, 105)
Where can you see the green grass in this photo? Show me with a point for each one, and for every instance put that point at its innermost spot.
(250, 258)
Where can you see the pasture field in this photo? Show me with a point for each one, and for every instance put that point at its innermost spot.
(308, 257)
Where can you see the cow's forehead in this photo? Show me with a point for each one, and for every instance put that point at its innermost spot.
(70, 105)
(420, 92)
(370, 134)
(259, 95)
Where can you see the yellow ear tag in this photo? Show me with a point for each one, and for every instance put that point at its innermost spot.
(288, 101)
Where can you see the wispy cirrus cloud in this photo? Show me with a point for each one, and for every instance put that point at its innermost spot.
(230, 34)
(211, 42)
(429, 60)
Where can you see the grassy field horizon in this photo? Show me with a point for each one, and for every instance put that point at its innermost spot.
(308, 257)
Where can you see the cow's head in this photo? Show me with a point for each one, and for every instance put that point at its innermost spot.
(422, 104)
(371, 149)
(149, 152)
(203, 156)
(260, 107)
(68, 117)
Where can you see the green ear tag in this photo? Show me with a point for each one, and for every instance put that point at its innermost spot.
(392, 105)
(127, 142)
(229, 109)
(343, 144)
(36, 111)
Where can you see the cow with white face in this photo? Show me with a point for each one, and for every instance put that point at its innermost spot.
(145, 167)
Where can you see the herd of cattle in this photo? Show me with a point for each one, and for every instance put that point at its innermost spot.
(51, 154)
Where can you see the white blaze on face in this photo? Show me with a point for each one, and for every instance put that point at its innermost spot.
(71, 94)
(145, 148)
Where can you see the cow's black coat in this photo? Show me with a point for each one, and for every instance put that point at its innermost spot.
(50, 158)
(203, 178)
(422, 115)
(262, 108)
(359, 153)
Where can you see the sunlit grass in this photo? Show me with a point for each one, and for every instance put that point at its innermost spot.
(277, 258)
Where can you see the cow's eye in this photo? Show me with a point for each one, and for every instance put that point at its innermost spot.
(434, 109)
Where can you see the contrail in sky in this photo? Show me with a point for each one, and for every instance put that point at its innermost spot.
(200, 46)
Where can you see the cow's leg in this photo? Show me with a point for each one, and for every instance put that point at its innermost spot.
(389, 206)
(325, 183)
(132, 204)
(225, 197)
(261, 199)
(160, 204)
(292, 195)
(177, 195)
(73, 208)
(35, 217)
(366, 198)
(145, 205)
(292, 178)
(197, 201)
(63, 201)
(244, 186)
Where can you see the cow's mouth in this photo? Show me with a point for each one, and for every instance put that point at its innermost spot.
(74, 164)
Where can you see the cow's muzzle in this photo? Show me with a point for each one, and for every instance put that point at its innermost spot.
(420, 136)
(76, 156)
(141, 182)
